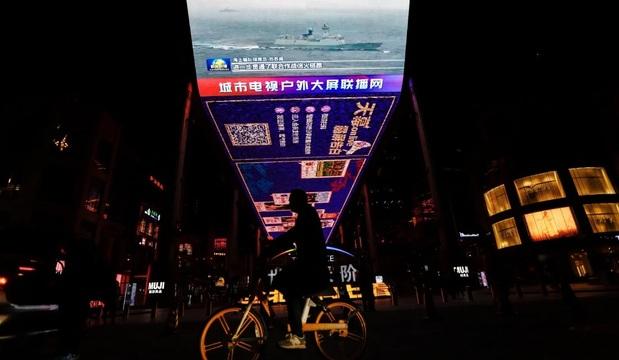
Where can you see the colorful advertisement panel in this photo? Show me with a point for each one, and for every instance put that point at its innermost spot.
(299, 93)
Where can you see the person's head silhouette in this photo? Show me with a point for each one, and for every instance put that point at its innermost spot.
(298, 199)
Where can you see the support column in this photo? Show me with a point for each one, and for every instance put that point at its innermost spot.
(174, 313)
(369, 229)
(232, 251)
(444, 255)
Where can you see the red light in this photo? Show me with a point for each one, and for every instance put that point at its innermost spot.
(26, 268)
(3, 281)
(156, 182)
(93, 304)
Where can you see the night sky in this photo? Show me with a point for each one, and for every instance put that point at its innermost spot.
(467, 58)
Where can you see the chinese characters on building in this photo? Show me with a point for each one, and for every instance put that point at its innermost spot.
(281, 125)
(291, 86)
(340, 136)
(309, 122)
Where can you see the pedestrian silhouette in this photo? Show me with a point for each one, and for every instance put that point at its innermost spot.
(79, 256)
(574, 308)
(365, 282)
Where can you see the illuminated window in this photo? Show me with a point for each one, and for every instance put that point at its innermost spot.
(506, 233)
(496, 200)
(580, 264)
(551, 224)
(591, 181)
(603, 217)
(142, 227)
(185, 247)
(540, 187)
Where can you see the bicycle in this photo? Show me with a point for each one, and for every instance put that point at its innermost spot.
(240, 332)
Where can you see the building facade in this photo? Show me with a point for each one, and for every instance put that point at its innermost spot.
(573, 212)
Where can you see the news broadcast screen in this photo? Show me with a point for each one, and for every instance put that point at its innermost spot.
(299, 93)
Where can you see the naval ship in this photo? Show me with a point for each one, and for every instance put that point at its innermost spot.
(312, 41)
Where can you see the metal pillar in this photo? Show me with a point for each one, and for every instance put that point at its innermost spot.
(232, 252)
(369, 229)
(174, 313)
(444, 256)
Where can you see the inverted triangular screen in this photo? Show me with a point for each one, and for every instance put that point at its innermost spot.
(299, 93)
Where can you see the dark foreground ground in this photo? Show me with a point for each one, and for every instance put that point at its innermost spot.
(540, 329)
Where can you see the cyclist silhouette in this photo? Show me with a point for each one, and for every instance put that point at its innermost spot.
(308, 274)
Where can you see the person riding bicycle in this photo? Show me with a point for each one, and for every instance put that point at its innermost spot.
(308, 274)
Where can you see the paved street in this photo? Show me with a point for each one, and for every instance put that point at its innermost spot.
(540, 330)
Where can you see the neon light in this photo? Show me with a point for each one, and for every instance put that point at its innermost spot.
(301, 85)
(463, 235)
(153, 214)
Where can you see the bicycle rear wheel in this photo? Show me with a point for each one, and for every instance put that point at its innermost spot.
(216, 340)
(342, 344)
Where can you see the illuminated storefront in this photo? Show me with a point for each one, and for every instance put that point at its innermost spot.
(506, 233)
(147, 240)
(496, 200)
(551, 224)
(539, 187)
(299, 101)
(591, 181)
(577, 207)
(580, 264)
(603, 217)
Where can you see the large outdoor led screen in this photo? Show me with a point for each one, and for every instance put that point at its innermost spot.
(299, 93)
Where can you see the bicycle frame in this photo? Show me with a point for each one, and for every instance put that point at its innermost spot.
(259, 294)
(311, 327)
(338, 328)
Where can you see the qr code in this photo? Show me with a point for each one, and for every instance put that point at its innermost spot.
(256, 134)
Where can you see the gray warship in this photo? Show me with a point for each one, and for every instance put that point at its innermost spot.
(312, 41)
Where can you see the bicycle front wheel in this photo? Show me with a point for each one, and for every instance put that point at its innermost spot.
(342, 344)
(218, 342)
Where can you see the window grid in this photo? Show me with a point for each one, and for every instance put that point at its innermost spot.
(551, 224)
(539, 187)
(497, 200)
(591, 181)
(506, 233)
(603, 217)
